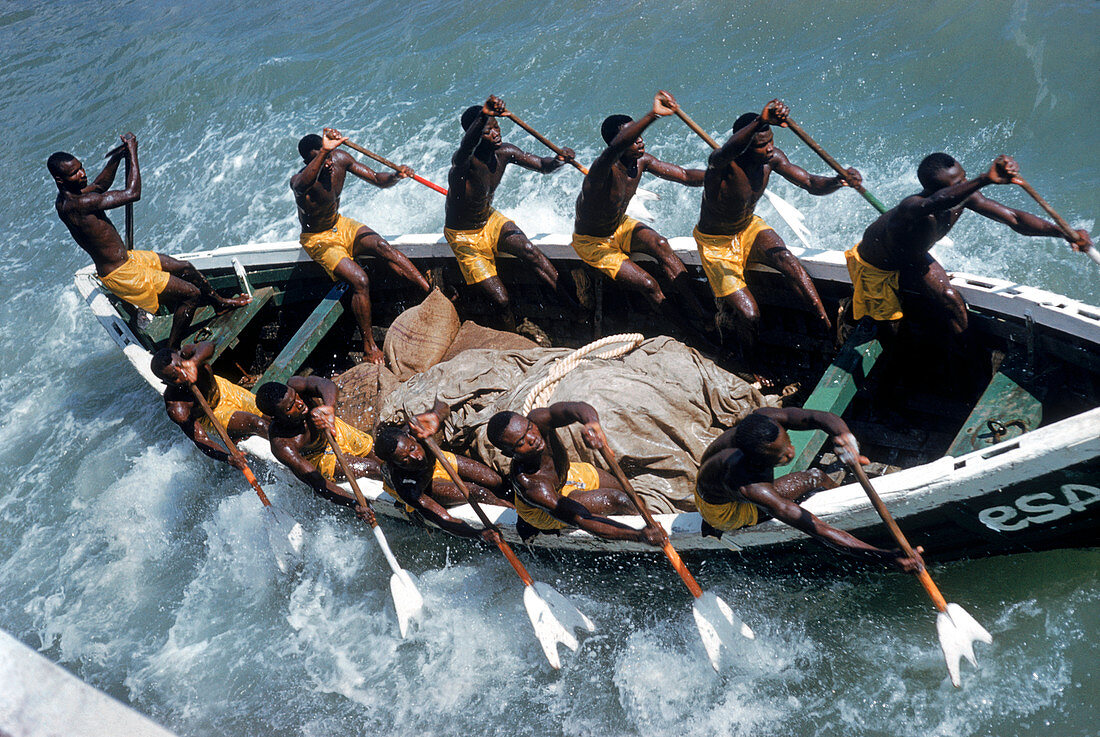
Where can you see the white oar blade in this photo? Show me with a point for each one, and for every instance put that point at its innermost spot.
(646, 194)
(407, 600)
(792, 216)
(636, 209)
(1094, 254)
(285, 536)
(549, 628)
(958, 631)
(718, 626)
(563, 610)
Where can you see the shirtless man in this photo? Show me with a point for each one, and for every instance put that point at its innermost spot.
(736, 481)
(143, 278)
(410, 473)
(474, 230)
(894, 251)
(298, 439)
(603, 235)
(552, 492)
(234, 406)
(729, 233)
(334, 241)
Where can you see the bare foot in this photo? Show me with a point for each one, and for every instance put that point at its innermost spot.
(232, 303)
(371, 354)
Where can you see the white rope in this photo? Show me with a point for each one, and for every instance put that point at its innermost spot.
(540, 392)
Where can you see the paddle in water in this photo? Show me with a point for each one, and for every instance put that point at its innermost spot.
(1078, 240)
(395, 167)
(553, 617)
(285, 535)
(718, 625)
(407, 600)
(956, 628)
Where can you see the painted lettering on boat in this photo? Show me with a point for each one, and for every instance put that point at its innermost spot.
(1039, 509)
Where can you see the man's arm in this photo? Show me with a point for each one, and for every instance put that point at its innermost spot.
(571, 512)
(737, 144)
(180, 413)
(541, 164)
(663, 104)
(317, 388)
(812, 183)
(794, 418)
(103, 182)
(1022, 222)
(673, 172)
(478, 473)
(306, 178)
(1001, 171)
(561, 414)
(437, 514)
(492, 107)
(308, 474)
(95, 198)
(382, 180)
(722, 442)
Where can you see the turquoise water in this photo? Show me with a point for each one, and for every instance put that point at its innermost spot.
(133, 561)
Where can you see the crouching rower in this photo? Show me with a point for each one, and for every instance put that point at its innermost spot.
(552, 492)
(297, 435)
(234, 406)
(410, 473)
(737, 483)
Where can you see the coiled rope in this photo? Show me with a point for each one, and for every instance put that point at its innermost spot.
(540, 392)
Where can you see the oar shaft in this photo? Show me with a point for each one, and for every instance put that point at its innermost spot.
(817, 149)
(395, 167)
(695, 127)
(346, 468)
(229, 444)
(1065, 227)
(129, 214)
(544, 141)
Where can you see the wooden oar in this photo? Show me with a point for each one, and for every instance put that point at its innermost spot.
(407, 600)
(284, 534)
(957, 629)
(1065, 227)
(791, 215)
(717, 623)
(553, 617)
(129, 205)
(857, 186)
(390, 164)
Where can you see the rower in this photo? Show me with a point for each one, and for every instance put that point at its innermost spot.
(145, 279)
(552, 492)
(736, 484)
(894, 251)
(604, 236)
(298, 438)
(335, 241)
(234, 406)
(729, 233)
(476, 231)
(410, 473)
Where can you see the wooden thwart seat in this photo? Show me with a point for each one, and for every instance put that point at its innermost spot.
(297, 350)
(221, 330)
(1010, 406)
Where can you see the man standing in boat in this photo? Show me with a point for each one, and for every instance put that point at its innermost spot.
(552, 492)
(476, 231)
(145, 279)
(297, 435)
(335, 241)
(411, 474)
(894, 251)
(729, 233)
(736, 481)
(604, 236)
(234, 406)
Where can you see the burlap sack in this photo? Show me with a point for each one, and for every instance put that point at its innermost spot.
(420, 336)
(472, 336)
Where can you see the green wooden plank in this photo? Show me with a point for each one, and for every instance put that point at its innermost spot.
(299, 347)
(223, 331)
(834, 392)
(1010, 406)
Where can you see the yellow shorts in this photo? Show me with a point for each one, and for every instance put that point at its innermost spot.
(351, 440)
(876, 290)
(476, 250)
(581, 477)
(330, 247)
(139, 280)
(606, 254)
(724, 256)
(438, 474)
(728, 515)
(231, 398)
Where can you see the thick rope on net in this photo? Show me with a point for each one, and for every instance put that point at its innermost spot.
(540, 392)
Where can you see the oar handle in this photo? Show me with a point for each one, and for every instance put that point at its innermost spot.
(666, 544)
(922, 573)
(544, 141)
(695, 127)
(1065, 227)
(798, 131)
(505, 548)
(395, 167)
(229, 444)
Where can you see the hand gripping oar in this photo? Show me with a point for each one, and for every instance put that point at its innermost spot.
(834, 164)
(791, 215)
(129, 205)
(717, 623)
(1065, 227)
(284, 534)
(395, 167)
(957, 629)
(554, 617)
(407, 600)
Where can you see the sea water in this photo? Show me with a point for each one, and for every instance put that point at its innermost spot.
(141, 566)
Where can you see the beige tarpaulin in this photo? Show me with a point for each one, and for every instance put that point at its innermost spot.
(660, 405)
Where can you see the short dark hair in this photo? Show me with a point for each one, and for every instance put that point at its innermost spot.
(56, 160)
(309, 144)
(498, 423)
(753, 432)
(932, 165)
(747, 118)
(269, 395)
(160, 361)
(469, 115)
(612, 124)
(386, 437)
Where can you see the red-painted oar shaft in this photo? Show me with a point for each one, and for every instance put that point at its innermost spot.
(390, 164)
(229, 444)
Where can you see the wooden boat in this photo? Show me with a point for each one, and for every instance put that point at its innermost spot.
(984, 446)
